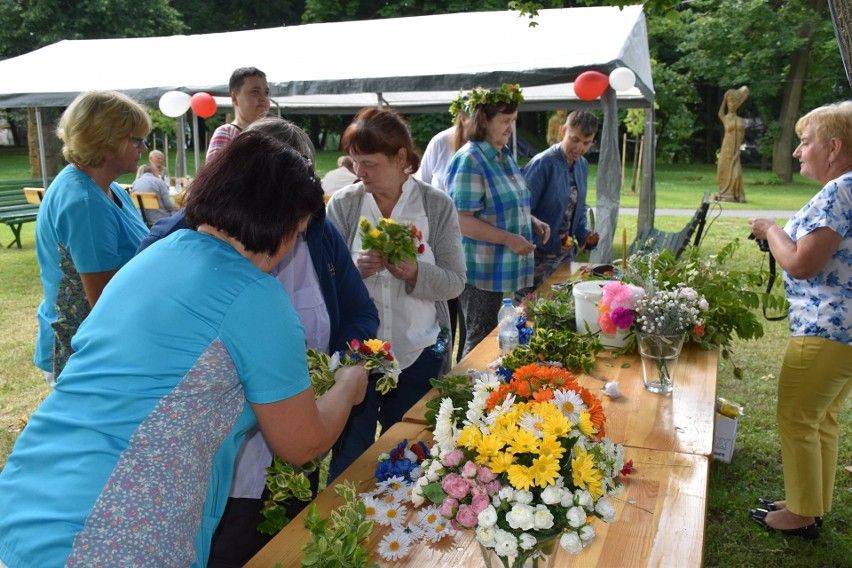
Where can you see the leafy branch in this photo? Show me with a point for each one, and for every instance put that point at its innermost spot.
(341, 540)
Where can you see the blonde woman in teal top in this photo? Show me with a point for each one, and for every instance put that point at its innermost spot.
(87, 226)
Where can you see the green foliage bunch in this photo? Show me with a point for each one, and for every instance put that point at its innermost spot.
(575, 352)
(341, 540)
(732, 295)
(284, 483)
(467, 101)
(554, 310)
(455, 387)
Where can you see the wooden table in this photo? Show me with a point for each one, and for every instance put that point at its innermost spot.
(680, 422)
(659, 519)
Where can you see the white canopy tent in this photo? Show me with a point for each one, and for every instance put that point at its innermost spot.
(341, 67)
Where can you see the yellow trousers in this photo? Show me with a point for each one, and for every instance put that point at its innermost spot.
(816, 377)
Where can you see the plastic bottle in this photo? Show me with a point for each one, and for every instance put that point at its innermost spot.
(507, 334)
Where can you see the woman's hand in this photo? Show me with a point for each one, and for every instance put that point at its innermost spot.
(760, 227)
(405, 270)
(369, 262)
(357, 375)
(540, 228)
(519, 245)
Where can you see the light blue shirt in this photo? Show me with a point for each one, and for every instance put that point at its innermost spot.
(99, 235)
(131, 456)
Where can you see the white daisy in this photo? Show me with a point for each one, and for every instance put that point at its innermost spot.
(393, 514)
(390, 485)
(569, 402)
(395, 545)
(373, 506)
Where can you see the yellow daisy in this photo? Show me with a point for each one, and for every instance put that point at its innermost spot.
(469, 437)
(544, 470)
(585, 474)
(551, 446)
(502, 462)
(524, 441)
(520, 477)
(584, 424)
(487, 448)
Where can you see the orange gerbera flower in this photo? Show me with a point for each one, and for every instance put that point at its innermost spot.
(543, 395)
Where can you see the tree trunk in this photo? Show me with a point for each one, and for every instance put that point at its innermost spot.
(791, 99)
(841, 13)
(52, 145)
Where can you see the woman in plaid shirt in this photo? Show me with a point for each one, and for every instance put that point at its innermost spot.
(494, 208)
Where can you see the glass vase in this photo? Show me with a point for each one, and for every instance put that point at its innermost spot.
(660, 355)
(543, 555)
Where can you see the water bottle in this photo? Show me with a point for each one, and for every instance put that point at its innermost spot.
(507, 333)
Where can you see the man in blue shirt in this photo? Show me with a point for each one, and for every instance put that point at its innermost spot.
(558, 179)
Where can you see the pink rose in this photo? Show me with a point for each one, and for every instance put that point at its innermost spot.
(480, 503)
(493, 487)
(467, 517)
(455, 486)
(469, 470)
(448, 508)
(485, 475)
(453, 458)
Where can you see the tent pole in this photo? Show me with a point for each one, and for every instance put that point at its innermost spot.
(41, 148)
(647, 190)
(195, 140)
(607, 180)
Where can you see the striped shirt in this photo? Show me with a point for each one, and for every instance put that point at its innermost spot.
(490, 185)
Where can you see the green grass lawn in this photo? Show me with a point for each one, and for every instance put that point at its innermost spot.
(731, 538)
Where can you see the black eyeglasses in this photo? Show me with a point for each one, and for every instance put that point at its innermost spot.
(138, 142)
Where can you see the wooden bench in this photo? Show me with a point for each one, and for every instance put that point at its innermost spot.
(655, 240)
(145, 200)
(15, 207)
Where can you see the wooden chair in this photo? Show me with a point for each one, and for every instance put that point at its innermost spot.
(34, 195)
(145, 200)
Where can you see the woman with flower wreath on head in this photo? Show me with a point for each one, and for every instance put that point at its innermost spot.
(493, 202)
(815, 250)
(410, 294)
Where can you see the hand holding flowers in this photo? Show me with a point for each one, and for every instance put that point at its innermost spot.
(395, 241)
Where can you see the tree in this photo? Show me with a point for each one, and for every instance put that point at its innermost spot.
(841, 13)
(29, 25)
(216, 16)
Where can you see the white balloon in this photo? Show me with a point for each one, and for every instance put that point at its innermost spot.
(174, 103)
(622, 79)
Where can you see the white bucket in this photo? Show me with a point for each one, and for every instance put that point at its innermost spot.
(586, 297)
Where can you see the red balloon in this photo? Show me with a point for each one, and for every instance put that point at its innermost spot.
(589, 85)
(203, 105)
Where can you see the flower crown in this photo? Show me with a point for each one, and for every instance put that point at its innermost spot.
(467, 101)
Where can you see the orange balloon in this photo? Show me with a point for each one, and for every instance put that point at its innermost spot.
(589, 85)
(203, 105)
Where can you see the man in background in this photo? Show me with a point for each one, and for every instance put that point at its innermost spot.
(341, 176)
(558, 180)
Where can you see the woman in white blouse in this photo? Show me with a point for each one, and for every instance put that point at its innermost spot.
(410, 296)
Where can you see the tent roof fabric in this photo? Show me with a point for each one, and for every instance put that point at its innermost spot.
(394, 57)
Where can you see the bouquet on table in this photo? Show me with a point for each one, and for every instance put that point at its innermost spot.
(617, 306)
(524, 465)
(396, 241)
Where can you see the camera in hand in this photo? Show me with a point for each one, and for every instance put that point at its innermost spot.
(762, 244)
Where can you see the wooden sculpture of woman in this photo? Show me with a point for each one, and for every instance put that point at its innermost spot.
(729, 176)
